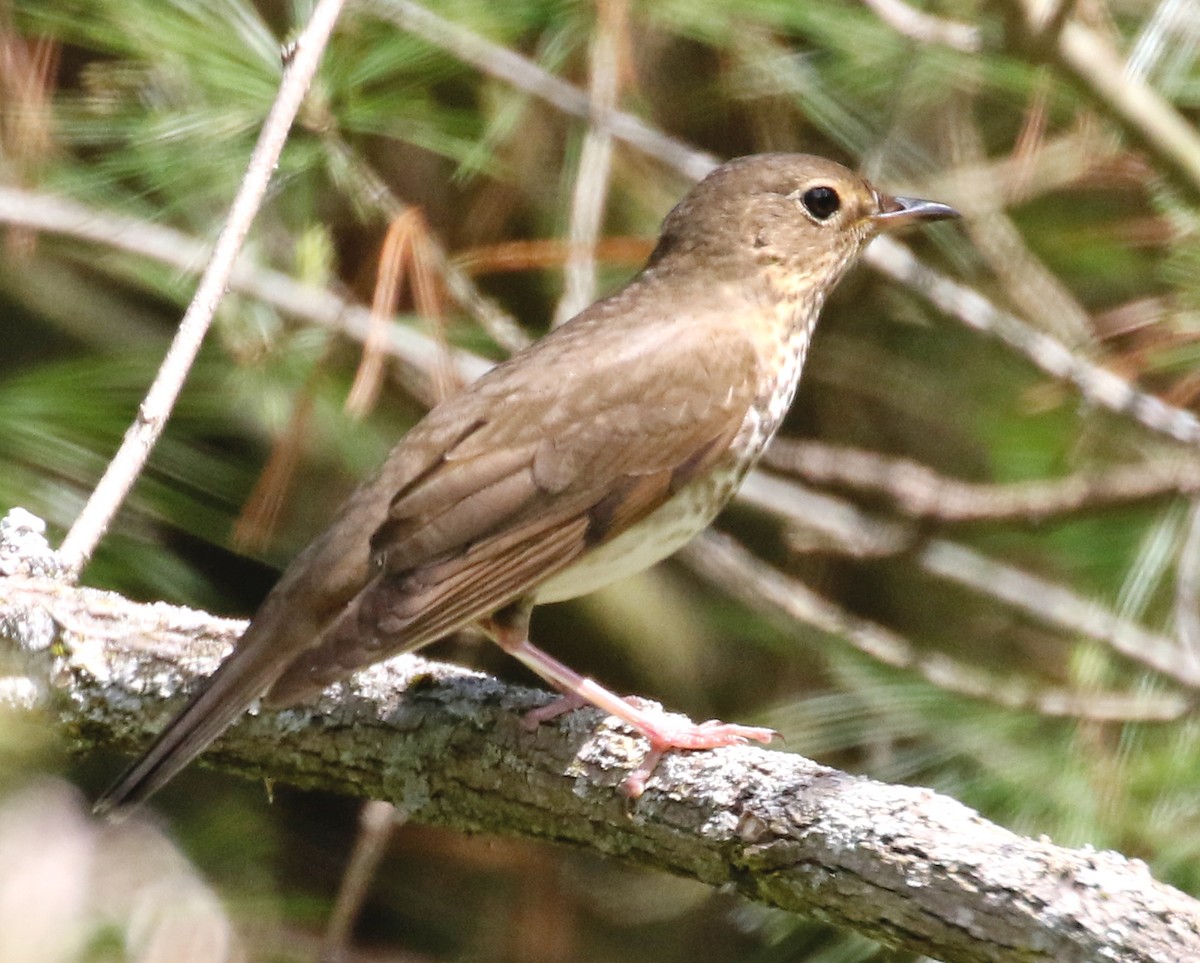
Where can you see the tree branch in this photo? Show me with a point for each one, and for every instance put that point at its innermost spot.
(920, 492)
(594, 170)
(900, 864)
(126, 465)
(787, 601)
(840, 524)
(414, 351)
(885, 255)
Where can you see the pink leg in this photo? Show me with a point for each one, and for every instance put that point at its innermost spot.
(664, 731)
(567, 702)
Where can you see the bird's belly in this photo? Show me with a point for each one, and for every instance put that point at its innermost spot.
(667, 528)
(693, 507)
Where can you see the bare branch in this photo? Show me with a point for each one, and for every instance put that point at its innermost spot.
(155, 409)
(926, 28)
(899, 864)
(921, 492)
(163, 245)
(728, 564)
(595, 163)
(1051, 603)
(1097, 385)
(504, 64)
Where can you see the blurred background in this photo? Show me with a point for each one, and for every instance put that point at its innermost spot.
(949, 573)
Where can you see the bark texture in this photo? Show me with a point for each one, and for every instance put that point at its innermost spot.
(900, 864)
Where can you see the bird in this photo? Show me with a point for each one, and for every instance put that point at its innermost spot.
(590, 455)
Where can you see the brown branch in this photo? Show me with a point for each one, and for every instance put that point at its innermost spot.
(376, 822)
(126, 465)
(417, 353)
(920, 492)
(595, 162)
(900, 864)
(844, 527)
(1096, 384)
(370, 191)
(724, 562)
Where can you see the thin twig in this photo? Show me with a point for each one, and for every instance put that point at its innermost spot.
(28, 71)
(546, 253)
(164, 245)
(1032, 287)
(1097, 385)
(1187, 587)
(371, 191)
(926, 28)
(1054, 604)
(408, 253)
(376, 821)
(1051, 603)
(921, 492)
(727, 563)
(155, 409)
(260, 512)
(502, 63)
(885, 254)
(595, 164)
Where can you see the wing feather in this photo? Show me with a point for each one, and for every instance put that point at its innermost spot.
(400, 613)
(519, 498)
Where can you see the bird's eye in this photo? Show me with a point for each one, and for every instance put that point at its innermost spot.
(821, 202)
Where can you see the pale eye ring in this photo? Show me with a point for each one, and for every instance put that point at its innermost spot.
(821, 202)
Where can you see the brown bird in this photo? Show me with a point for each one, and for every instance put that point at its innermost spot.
(590, 455)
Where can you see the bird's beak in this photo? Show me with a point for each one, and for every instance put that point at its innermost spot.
(899, 212)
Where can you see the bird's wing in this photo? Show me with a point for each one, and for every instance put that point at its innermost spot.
(491, 493)
(530, 487)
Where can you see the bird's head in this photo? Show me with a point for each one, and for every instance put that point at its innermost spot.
(806, 214)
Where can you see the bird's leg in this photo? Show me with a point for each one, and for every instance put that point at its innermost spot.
(567, 702)
(509, 628)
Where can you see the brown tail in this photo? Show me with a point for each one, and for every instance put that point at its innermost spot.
(225, 695)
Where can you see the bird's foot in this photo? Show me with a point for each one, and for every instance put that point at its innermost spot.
(664, 731)
(552, 710)
(678, 732)
(667, 731)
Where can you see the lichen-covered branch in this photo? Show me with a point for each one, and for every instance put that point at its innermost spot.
(446, 745)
